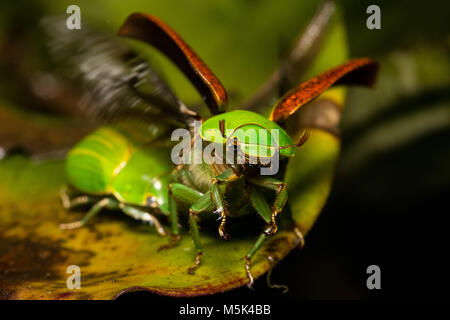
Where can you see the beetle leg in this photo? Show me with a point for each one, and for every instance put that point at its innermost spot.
(201, 205)
(143, 216)
(259, 203)
(69, 203)
(96, 208)
(269, 274)
(219, 203)
(178, 191)
(217, 197)
(196, 238)
(280, 199)
(258, 244)
(173, 216)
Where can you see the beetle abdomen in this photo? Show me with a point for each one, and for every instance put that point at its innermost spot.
(94, 162)
(145, 179)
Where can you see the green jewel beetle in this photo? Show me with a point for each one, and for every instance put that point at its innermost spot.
(135, 172)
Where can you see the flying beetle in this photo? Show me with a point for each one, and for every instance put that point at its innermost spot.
(111, 169)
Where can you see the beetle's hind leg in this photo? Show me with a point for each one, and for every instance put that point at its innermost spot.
(70, 203)
(143, 216)
(107, 203)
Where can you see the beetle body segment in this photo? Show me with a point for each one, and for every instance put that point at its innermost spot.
(107, 163)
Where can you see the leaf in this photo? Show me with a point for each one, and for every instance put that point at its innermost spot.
(309, 177)
(115, 253)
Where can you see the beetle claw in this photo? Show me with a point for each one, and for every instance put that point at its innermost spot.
(283, 287)
(271, 229)
(71, 225)
(198, 258)
(222, 231)
(249, 273)
(174, 238)
(223, 234)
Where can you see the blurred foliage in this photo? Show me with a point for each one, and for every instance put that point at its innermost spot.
(396, 146)
(242, 49)
(403, 23)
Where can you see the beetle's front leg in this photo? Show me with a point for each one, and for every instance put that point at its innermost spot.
(202, 204)
(280, 199)
(199, 203)
(217, 198)
(178, 191)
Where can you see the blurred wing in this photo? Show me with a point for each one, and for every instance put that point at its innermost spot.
(115, 83)
(155, 32)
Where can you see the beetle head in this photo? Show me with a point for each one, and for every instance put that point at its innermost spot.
(254, 135)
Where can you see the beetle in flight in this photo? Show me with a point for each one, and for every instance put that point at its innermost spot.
(113, 169)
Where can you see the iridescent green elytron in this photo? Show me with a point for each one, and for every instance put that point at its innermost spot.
(107, 163)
